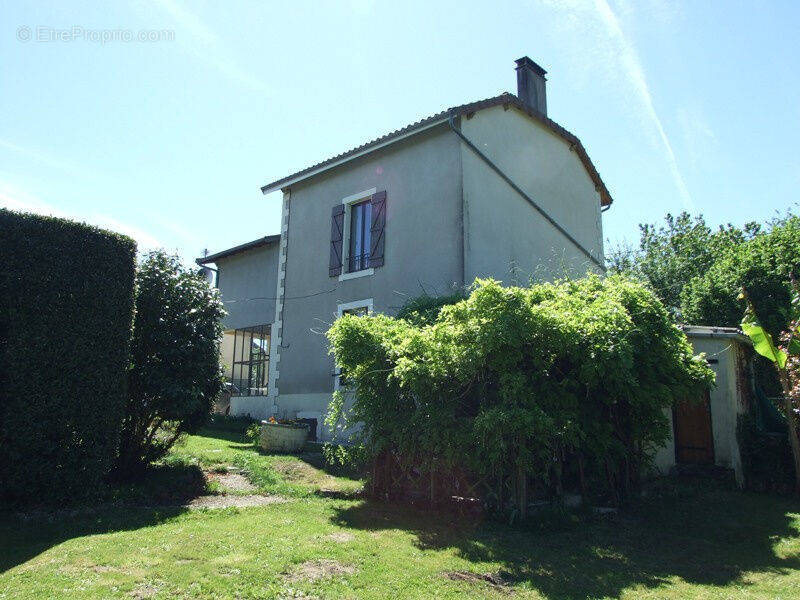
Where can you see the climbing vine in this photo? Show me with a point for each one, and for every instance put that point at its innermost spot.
(566, 383)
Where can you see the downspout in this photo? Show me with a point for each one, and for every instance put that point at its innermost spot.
(516, 188)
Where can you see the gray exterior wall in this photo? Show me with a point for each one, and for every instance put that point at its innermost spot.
(247, 282)
(450, 219)
(422, 180)
(506, 238)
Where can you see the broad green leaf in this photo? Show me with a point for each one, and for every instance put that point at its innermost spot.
(762, 341)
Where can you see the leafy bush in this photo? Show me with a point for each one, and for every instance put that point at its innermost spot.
(349, 461)
(766, 457)
(175, 373)
(549, 380)
(253, 433)
(424, 309)
(229, 423)
(66, 305)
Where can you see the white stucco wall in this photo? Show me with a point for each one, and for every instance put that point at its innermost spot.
(255, 407)
(507, 238)
(726, 401)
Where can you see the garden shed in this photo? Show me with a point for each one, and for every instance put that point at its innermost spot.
(703, 433)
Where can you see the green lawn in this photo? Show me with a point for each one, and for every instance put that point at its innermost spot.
(688, 541)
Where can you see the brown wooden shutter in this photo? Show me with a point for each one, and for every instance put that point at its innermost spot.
(337, 235)
(377, 229)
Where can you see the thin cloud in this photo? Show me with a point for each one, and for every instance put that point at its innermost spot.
(207, 46)
(634, 72)
(603, 50)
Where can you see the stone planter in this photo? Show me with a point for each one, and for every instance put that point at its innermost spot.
(277, 437)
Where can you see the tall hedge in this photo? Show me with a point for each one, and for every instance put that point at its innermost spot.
(66, 308)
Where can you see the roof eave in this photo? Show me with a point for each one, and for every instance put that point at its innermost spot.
(709, 331)
(292, 179)
(263, 241)
(605, 196)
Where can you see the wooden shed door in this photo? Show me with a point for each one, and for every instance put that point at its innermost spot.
(694, 442)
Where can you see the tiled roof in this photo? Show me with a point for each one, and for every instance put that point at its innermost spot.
(262, 241)
(456, 111)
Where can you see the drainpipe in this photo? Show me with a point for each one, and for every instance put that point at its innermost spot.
(516, 188)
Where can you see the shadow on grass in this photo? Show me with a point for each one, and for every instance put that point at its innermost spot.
(25, 537)
(312, 455)
(230, 429)
(160, 485)
(704, 535)
(223, 434)
(154, 497)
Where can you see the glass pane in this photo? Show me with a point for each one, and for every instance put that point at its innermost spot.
(355, 236)
(358, 244)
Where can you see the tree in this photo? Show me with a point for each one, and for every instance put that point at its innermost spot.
(174, 373)
(786, 359)
(763, 265)
(671, 255)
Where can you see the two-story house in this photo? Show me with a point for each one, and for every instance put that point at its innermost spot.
(493, 188)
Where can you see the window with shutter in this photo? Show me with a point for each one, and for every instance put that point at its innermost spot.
(377, 229)
(337, 238)
(358, 235)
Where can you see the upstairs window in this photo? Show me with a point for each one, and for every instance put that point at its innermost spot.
(360, 225)
(358, 232)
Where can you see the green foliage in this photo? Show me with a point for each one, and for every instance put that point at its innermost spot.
(66, 305)
(762, 340)
(253, 433)
(424, 309)
(674, 253)
(228, 423)
(174, 374)
(766, 457)
(522, 378)
(712, 297)
(762, 265)
(346, 460)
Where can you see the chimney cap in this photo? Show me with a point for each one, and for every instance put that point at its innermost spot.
(527, 62)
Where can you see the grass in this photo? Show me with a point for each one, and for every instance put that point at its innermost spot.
(219, 450)
(686, 541)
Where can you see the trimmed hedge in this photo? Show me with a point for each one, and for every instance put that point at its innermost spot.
(66, 308)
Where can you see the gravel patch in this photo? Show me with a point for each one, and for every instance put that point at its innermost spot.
(493, 580)
(314, 570)
(340, 537)
(234, 482)
(228, 501)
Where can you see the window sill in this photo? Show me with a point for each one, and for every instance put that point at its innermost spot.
(356, 274)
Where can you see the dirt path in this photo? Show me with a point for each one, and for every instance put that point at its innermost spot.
(231, 500)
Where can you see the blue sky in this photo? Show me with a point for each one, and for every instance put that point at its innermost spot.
(682, 106)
